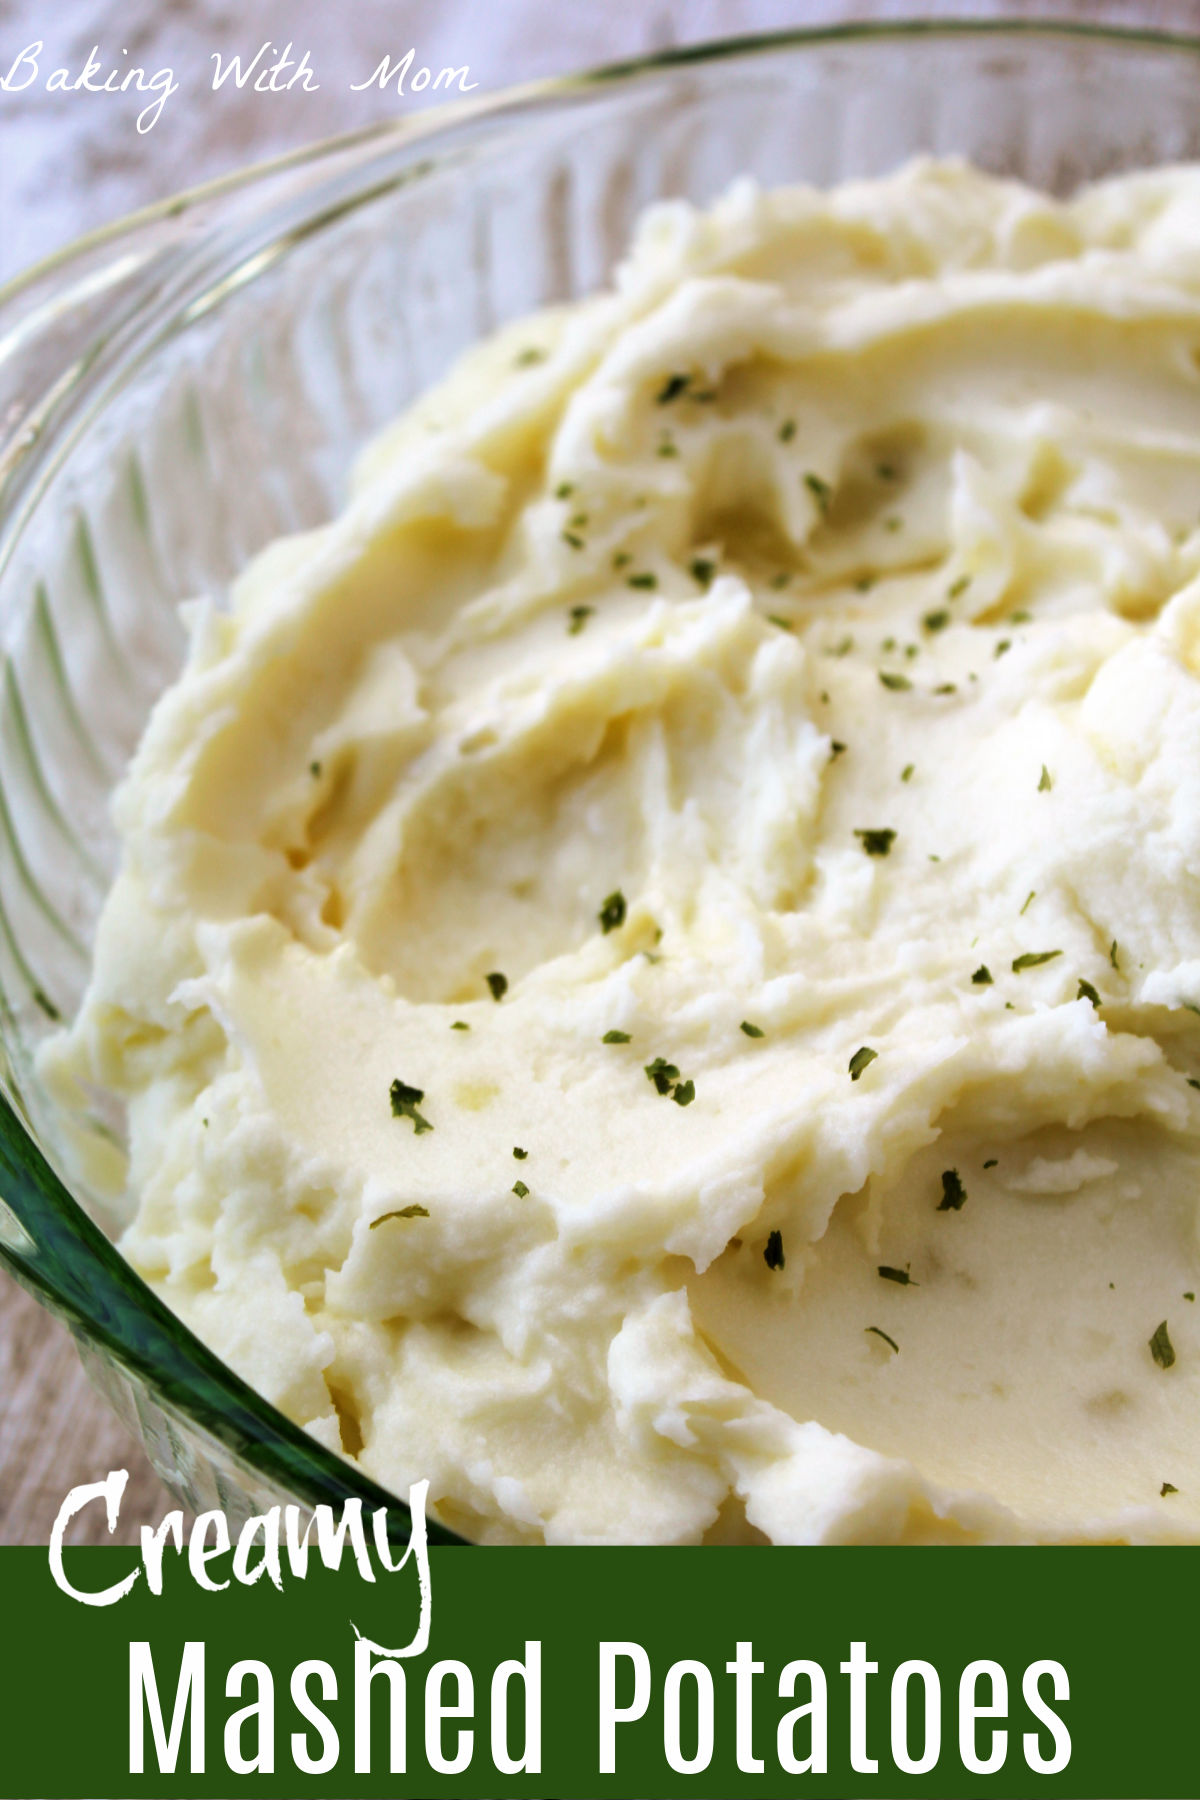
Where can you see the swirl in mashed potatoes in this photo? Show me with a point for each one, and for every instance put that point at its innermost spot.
(655, 965)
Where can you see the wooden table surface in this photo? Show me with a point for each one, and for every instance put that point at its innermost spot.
(67, 166)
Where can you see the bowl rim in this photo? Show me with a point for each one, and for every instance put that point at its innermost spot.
(182, 1374)
(519, 96)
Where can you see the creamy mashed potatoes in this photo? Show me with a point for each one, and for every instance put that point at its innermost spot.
(656, 961)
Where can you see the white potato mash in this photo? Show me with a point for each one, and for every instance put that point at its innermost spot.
(656, 961)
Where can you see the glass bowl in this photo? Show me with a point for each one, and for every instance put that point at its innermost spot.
(183, 387)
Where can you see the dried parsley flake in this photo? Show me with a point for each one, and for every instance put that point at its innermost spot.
(953, 1191)
(1161, 1347)
(612, 912)
(405, 1101)
(402, 1212)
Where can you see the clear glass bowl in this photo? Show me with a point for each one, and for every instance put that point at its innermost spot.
(180, 389)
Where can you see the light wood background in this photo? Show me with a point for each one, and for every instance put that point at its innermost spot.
(69, 162)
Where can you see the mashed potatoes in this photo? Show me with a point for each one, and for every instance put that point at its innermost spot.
(655, 964)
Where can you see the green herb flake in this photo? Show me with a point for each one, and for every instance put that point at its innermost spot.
(893, 524)
(519, 1153)
(1033, 959)
(702, 570)
(46, 1004)
(1087, 992)
(889, 643)
(787, 431)
(992, 1162)
(1168, 1487)
(783, 624)
(876, 842)
(860, 1060)
(672, 388)
(899, 684)
(958, 587)
(982, 976)
(647, 579)
(1029, 899)
(875, 1330)
(836, 749)
(579, 616)
(1192, 1082)
(1112, 955)
(902, 1276)
(937, 620)
(1161, 1347)
(946, 687)
(573, 538)
(820, 490)
(314, 769)
(755, 1031)
(1021, 617)
(497, 984)
(906, 773)
(612, 912)
(953, 1191)
(564, 490)
(405, 1101)
(887, 472)
(773, 1254)
(667, 448)
(1189, 1296)
(525, 359)
(685, 1093)
(615, 1037)
(1002, 649)
(863, 584)
(622, 559)
(1044, 781)
(460, 1025)
(843, 647)
(402, 1212)
(662, 1073)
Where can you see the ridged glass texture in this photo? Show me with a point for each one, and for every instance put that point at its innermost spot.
(178, 391)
